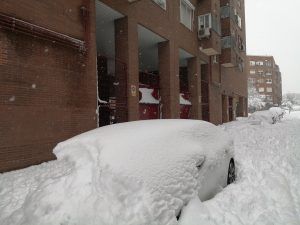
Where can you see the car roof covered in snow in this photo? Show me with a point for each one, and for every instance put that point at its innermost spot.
(134, 147)
(148, 135)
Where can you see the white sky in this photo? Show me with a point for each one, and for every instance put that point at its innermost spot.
(273, 28)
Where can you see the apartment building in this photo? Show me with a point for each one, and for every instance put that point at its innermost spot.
(264, 75)
(74, 65)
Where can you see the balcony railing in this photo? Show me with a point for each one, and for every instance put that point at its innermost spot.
(216, 25)
(228, 12)
(228, 42)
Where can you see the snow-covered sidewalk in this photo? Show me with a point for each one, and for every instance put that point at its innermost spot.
(268, 187)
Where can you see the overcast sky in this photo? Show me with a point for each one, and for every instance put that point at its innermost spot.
(273, 28)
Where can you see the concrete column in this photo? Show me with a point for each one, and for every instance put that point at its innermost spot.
(225, 112)
(126, 45)
(194, 78)
(241, 110)
(169, 79)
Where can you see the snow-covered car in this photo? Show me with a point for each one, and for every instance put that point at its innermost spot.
(140, 173)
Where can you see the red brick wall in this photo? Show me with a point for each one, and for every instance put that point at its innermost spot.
(47, 90)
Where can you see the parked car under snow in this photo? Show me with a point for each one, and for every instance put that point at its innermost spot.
(140, 173)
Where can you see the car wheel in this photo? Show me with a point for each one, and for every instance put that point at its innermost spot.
(231, 173)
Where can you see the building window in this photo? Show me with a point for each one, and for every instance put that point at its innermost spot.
(186, 13)
(252, 63)
(161, 3)
(269, 81)
(268, 63)
(260, 81)
(259, 63)
(268, 74)
(251, 80)
(205, 21)
(260, 72)
(261, 90)
(252, 71)
(269, 89)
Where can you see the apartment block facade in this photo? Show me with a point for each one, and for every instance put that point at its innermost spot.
(70, 66)
(264, 75)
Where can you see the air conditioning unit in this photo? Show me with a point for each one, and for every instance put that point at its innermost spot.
(203, 33)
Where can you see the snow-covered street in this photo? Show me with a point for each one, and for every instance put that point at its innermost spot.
(266, 191)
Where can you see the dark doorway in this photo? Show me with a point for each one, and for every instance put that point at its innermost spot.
(205, 92)
(112, 95)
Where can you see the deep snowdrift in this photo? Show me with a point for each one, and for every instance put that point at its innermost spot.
(267, 190)
(138, 173)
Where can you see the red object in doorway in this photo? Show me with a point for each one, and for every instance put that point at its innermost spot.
(185, 109)
(149, 111)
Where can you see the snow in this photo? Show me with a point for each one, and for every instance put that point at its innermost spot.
(267, 190)
(195, 213)
(183, 101)
(147, 97)
(271, 116)
(296, 107)
(115, 175)
(104, 188)
(102, 101)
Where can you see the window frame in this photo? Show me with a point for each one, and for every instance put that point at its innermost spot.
(157, 3)
(188, 4)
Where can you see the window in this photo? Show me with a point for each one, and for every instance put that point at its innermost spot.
(252, 63)
(260, 72)
(268, 74)
(161, 3)
(259, 63)
(261, 90)
(252, 71)
(251, 80)
(268, 63)
(205, 21)
(269, 81)
(260, 81)
(269, 89)
(186, 13)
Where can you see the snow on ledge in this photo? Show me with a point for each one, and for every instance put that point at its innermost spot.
(183, 101)
(147, 97)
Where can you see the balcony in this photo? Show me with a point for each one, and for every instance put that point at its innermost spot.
(228, 57)
(209, 34)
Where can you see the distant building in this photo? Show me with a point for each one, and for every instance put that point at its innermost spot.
(265, 77)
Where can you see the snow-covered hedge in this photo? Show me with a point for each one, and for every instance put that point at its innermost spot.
(271, 116)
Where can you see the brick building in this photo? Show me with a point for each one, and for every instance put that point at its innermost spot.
(70, 66)
(265, 76)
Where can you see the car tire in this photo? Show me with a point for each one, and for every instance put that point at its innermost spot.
(231, 172)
